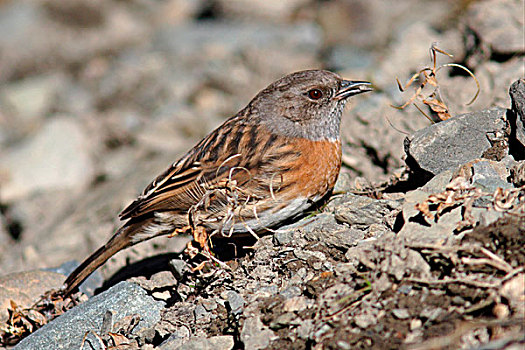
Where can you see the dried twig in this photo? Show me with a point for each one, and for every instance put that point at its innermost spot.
(433, 100)
(474, 283)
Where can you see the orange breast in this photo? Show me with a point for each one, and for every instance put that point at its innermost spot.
(315, 171)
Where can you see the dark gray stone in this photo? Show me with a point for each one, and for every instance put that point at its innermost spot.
(321, 228)
(517, 95)
(365, 211)
(487, 178)
(334, 235)
(67, 331)
(456, 141)
(283, 237)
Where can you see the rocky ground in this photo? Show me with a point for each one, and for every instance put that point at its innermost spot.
(421, 246)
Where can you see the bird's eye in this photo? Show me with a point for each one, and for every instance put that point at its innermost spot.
(315, 94)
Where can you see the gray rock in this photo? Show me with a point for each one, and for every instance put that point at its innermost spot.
(415, 263)
(420, 229)
(401, 314)
(163, 279)
(344, 345)
(331, 297)
(220, 342)
(32, 98)
(344, 183)
(283, 320)
(177, 338)
(499, 24)
(305, 329)
(321, 331)
(76, 99)
(512, 341)
(411, 199)
(8, 229)
(189, 39)
(309, 255)
(453, 142)
(487, 178)
(366, 133)
(180, 268)
(290, 292)
(431, 314)
(325, 229)
(295, 304)
(365, 320)
(383, 283)
(209, 304)
(438, 183)
(486, 215)
(517, 94)
(414, 37)
(362, 212)
(200, 312)
(57, 157)
(283, 237)
(405, 289)
(320, 227)
(235, 300)
(67, 331)
(25, 288)
(255, 335)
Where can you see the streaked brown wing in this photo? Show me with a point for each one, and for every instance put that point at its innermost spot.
(227, 154)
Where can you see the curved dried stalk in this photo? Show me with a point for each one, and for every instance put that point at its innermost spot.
(470, 73)
(433, 100)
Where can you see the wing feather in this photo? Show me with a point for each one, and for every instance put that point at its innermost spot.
(183, 184)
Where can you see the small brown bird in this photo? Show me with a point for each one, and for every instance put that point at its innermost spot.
(269, 163)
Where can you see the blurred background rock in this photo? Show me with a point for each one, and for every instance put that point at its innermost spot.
(97, 97)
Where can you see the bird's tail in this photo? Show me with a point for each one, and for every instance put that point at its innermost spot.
(122, 239)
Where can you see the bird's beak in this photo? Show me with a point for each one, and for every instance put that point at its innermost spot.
(350, 88)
